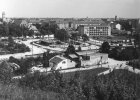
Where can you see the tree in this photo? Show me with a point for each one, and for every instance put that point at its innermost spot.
(85, 37)
(45, 59)
(79, 48)
(70, 50)
(53, 28)
(30, 33)
(13, 60)
(11, 42)
(75, 36)
(62, 35)
(105, 48)
(75, 88)
(5, 72)
(126, 25)
(115, 53)
(2, 30)
(137, 39)
(129, 53)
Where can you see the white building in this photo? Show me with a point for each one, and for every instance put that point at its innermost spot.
(24, 23)
(95, 30)
(32, 27)
(60, 62)
(118, 26)
(7, 20)
(90, 58)
(50, 36)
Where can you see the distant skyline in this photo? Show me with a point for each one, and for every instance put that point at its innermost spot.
(71, 8)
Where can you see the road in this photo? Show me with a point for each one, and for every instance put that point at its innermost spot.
(112, 64)
(33, 50)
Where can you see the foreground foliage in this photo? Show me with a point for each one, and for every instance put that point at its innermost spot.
(119, 85)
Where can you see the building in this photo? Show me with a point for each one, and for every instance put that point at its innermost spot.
(33, 28)
(50, 36)
(3, 16)
(63, 25)
(6, 20)
(95, 30)
(88, 58)
(24, 23)
(118, 26)
(115, 18)
(94, 59)
(74, 24)
(60, 62)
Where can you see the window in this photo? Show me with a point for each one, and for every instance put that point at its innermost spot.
(85, 57)
(63, 62)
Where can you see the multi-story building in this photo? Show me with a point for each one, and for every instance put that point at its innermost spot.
(95, 30)
(3, 16)
(74, 24)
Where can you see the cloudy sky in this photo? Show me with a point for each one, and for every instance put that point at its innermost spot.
(71, 8)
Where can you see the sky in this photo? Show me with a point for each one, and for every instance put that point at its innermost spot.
(71, 8)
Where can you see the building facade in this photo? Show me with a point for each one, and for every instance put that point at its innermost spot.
(118, 26)
(60, 62)
(95, 30)
(74, 24)
(3, 16)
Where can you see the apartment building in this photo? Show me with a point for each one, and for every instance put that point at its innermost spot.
(95, 30)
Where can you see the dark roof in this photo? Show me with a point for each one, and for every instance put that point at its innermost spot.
(56, 60)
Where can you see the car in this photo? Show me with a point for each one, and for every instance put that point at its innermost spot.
(24, 39)
(40, 69)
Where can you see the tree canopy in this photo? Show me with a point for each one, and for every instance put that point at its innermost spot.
(62, 35)
(70, 49)
(85, 37)
(105, 47)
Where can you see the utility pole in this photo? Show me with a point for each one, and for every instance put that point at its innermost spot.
(32, 46)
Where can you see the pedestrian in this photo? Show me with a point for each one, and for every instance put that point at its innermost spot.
(133, 68)
(109, 70)
(121, 65)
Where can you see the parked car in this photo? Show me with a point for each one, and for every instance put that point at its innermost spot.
(40, 69)
(24, 39)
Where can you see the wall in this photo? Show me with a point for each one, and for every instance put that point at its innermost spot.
(90, 62)
(61, 65)
(95, 60)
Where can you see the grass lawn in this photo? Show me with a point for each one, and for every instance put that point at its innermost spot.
(84, 74)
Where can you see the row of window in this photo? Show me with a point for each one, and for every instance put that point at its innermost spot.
(99, 34)
(99, 31)
(98, 27)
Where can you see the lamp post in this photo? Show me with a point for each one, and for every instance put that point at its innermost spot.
(32, 43)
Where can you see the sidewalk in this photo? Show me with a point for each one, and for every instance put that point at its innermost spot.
(120, 66)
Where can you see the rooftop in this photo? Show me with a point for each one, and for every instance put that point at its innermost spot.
(88, 54)
(57, 59)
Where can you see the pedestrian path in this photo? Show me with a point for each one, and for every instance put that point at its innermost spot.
(120, 66)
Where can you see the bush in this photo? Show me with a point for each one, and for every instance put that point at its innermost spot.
(134, 63)
(5, 72)
(128, 53)
(13, 47)
(105, 48)
(13, 92)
